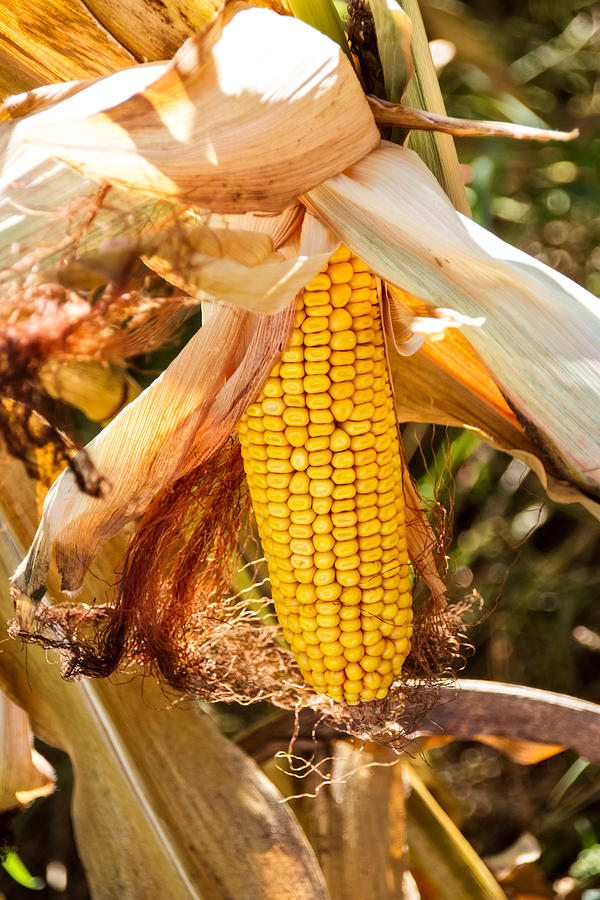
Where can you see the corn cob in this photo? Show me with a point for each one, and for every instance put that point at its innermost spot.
(322, 459)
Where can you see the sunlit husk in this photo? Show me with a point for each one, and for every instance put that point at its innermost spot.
(230, 266)
(65, 39)
(24, 774)
(213, 127)
(45, 211)
(541, 335)
(178, 422)
(169, 429)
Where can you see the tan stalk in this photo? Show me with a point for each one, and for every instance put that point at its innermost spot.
(190, 809)
(422, 120)
(356, 821)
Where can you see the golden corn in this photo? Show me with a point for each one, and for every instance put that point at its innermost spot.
(321, 453)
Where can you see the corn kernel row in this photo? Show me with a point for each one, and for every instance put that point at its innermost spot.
(321, 453)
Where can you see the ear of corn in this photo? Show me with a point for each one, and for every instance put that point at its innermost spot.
(322, 458)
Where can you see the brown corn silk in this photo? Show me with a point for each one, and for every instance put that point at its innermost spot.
(322, 458)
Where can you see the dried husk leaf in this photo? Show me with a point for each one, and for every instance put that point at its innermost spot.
(541, 336)
(46, 205)
(222, 106)
(445, 383)
(165, 806)
(230, 266)
(49, 212)
(176, 423)
(24, 773)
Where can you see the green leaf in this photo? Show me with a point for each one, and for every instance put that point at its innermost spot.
(393, 29)
(16, 868)
(322, 15)
(435, 149)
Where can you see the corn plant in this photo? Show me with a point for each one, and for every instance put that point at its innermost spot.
(341, 293)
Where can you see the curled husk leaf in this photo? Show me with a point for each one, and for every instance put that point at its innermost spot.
(24, 773)
(540, 338)
(213, 127)
(176, 423)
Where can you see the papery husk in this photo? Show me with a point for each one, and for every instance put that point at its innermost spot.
(164, 805)
(24, 773)
(222, 107)
(176, 424)
(46, 208)
(183, 417)
(541, 336)
(57, 226)
(238, 268)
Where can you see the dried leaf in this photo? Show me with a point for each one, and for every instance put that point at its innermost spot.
(440, 851)
(446, 383)
(525, 753)
(186, 414)
(191, 808)
(396, 114)
(224, 100)
(516, 712)
(541, 335)
(24, 773)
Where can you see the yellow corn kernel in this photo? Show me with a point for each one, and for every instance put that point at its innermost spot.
(320, 447)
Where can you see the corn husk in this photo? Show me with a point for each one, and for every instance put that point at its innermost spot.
(164, 805)
(175, 424)
(24, 773)
(540, 338)
(171, 132)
